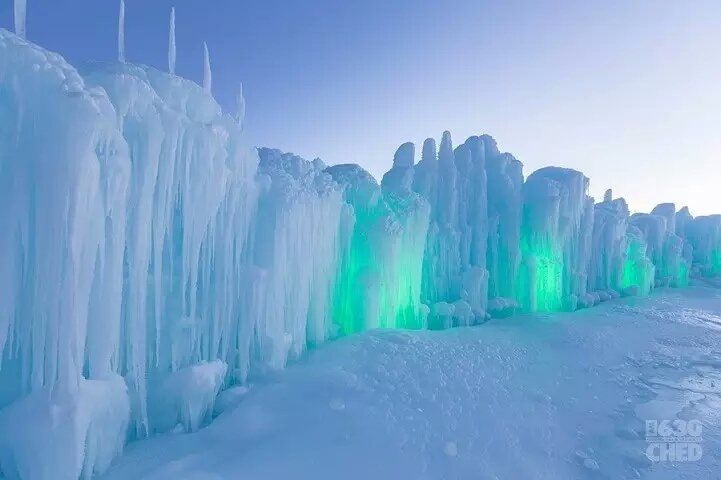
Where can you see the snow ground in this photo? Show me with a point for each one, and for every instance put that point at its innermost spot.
(538, 396)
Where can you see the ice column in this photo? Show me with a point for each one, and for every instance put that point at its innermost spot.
(505, 201)
(207, 74)
(191, 200)
(300, 236)
(555, 240)
(665, 248)
(403, 262)
(171, 43)
(65, 169)
(608, 244)
(638, 273)
(473, 237)
(121, 32)
(20, 15)
(379, 280)
(240, 107)
(704, 233)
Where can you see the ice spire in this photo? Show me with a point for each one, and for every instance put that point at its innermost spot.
(171, 43)
(241, 106)
(207, 76)
(121, 32)
(20, 12)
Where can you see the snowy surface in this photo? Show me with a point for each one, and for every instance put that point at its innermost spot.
(534, 396)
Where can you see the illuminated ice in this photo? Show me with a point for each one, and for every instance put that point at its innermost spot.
(153, 258)
(555, 240)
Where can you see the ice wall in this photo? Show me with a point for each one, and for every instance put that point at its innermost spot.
(665, 247)
(505, 201)
(472, 247)
(704, 234)
(302, 229)
(638, 274)
(64, 178)
(129, 252)
(191, 197)
(608, 244)
(151, 258)
(379, 279)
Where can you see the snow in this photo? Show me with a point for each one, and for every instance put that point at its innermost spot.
(510, 399)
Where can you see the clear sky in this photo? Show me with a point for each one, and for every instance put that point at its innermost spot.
(629, 92)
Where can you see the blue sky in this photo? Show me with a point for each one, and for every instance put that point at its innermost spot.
(629, 92)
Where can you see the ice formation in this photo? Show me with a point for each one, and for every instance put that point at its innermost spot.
(240, 107)
(207, 75)
(153, 258)
(172, 55)
(121, 32)
(20, 12)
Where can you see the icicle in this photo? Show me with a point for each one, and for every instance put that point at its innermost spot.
(171, 43)
(121, 32)
(241, 106)
(20, 12)
(207, 76)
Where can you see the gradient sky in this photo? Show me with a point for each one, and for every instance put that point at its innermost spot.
(629, 92)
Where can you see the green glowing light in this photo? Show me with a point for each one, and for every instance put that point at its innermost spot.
(636, 271)
(349, 305)
(375, 288)
(541, 275)
(681, 279)
(716, 262)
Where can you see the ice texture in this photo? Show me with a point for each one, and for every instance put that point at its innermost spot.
(207, 74)
(608, 244)
(240, 107)
(153, 258)
(555, 240)
(172, 54)
(704, 234)
(20, 14)
(185, 399)
(64, 436)
(121, 32)
(301, 210)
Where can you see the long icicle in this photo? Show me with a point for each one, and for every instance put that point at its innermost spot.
(20, 11)
(171, 43)
(207, 75)
(241, 106)
(121, 32)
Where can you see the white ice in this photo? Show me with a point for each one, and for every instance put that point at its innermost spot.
(172, 54)
(153, 259)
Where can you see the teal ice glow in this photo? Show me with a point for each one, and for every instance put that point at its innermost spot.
(541, 274)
